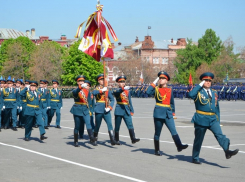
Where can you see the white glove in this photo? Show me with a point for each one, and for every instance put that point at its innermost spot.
(107, 109)
(201, 84)
(126, 87)
(61, 108)
(21, 108)
(3, 107)
(104, 89)
(84, 85)
(27, 86)
(17, 107)
(49, 107)
(156, 80)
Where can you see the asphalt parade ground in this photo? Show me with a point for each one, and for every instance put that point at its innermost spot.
(56, 159)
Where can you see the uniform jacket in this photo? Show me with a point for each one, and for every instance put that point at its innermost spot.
(33, 104)
(55, 98)
(83, 103)
(100, 100)
(163, 96)
(202, 103)
(11, 100)
(45, 101)
(123, 96)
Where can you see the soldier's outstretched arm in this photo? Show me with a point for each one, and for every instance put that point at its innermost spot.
(151, 89)
(193, 93)
(75, 92)
(172, 102)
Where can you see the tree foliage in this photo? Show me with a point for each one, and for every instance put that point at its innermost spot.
(15, 56)
(211, 44)
(79, 63)
(187, 61)
(46, 61)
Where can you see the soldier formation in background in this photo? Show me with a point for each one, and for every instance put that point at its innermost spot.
(37, 106)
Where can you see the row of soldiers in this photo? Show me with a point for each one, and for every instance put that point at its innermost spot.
(24, 105)
(101, 101)
(225, 91)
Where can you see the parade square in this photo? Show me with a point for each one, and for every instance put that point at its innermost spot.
(56, 159)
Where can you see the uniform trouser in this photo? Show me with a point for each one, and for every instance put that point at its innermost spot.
(8, 112)
(158, 123)
(2, 118)
(199, 136)
(98, 120)
(81, 130)
(57, 115)
(79, 121)
(127, 119)
(45, 116)
(29, 123)
(22, 117)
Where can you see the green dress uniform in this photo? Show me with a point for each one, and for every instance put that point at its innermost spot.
(1, 107)
(100, 112)
(207, 116)
(33, 110)
(164, 112)
(45, 102)
(124, 110)
(11, 102)
(56, 103)
(81, 112)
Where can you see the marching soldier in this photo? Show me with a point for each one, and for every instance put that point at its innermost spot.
(164, 111)
(103, 111)
(124, 109)
(22, 106)
(44, 102)
(19, 109)
(81, 131)
(11, 103)
(56, 103)
(81, 110)
(207, 116)
(1, 101)
(33, 110)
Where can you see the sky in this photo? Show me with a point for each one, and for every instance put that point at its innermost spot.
(130, 18)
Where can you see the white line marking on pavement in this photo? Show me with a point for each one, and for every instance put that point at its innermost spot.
(209, 147)
(75, 163)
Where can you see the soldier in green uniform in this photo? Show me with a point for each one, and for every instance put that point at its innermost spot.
(81, 130)
(45, 102)
(103, 111)
(207, 116)
(164, 111)
(11, 103)
(56, 103)
(81, 110)
(1, 100)
(124, 109)
(33, 110)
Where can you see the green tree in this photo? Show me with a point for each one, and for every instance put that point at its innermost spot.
(187, 61)
(46, 61)
(79, 63)
(15, 56)
(211, 44)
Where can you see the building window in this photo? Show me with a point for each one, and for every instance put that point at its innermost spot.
(155, 60)
(164, 60)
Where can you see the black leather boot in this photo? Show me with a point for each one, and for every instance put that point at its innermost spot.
(117, 138)
(157, 148)
(178, 143)
(132, 136)
(230, 153)
(76, 140)
(113, 142)
(96, 137)
(91, 137)
(42, 137)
